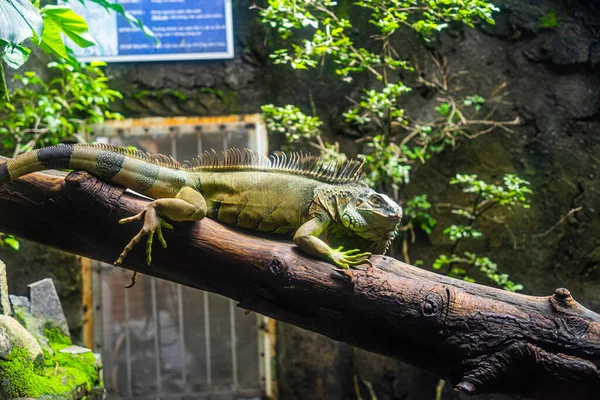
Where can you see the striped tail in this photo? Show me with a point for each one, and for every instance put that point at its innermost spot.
(153, 175)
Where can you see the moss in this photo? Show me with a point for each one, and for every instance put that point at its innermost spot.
(549, 20)
(61, 373)
(21, 378)
(56, 337)
(80, 366)
(20, 319)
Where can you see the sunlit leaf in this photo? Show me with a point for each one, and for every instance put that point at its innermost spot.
(52, 41)
(19, 20)
(73, 25)
(12, 242)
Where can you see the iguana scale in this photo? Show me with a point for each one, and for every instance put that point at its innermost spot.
(314, 201)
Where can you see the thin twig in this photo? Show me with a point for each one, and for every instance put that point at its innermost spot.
(560, 221)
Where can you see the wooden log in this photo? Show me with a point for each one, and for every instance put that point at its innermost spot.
(481, 339)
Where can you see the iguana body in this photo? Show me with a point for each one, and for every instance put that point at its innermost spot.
(285, 195)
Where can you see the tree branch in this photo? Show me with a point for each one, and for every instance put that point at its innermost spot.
(480, 339)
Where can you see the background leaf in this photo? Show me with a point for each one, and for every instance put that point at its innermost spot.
(73, 25)
(12, 242)
(52, 41)
(19, 20)
(15, 56)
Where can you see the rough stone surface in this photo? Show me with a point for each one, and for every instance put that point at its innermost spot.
(20, 337)
(22, 310)
(20, 302)
(74, 349)
(46, 306)
(4, 302)
(34, 262)
(5, 344)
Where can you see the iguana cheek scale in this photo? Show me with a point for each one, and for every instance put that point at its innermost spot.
(283, 194)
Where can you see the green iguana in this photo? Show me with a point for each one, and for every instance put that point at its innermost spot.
(294, 195)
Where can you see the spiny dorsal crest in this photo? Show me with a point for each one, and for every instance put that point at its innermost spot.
(250, 160)
(293, 163)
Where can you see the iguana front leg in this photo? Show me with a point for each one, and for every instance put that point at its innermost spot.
(306, 238)
(187, 205)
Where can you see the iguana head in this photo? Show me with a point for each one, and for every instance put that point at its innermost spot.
(370, 215)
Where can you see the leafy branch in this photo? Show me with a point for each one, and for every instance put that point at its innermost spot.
(485, 197)
(41, 113)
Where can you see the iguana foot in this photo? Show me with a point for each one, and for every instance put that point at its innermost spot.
(152, 224)
(349, 258)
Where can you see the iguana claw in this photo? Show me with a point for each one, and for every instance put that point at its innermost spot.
(349, 258)
(152, 224)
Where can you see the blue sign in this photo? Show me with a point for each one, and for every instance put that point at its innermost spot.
(187, 30)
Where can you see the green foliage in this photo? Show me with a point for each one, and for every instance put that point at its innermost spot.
(46, 25)
(24, 19)
(291, 122)
(457, 232)
(417, 209)
(482, 264)
(110, 6)
(475, 101)
(61, 20)
(549, 20)
(512, 193)
(10, 241)
(485, 197)
(331, 33)
(386, 164)
(44, 113)
(19, 20)
(380, 104)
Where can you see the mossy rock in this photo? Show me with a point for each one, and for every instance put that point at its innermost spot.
(60, 376)
(21, 338)
(32, 324)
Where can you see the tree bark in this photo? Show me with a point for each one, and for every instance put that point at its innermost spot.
(481, 339)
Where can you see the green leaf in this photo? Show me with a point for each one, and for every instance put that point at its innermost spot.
(73, 25)
(116, 7)
(12, 242)
(15, 56)
(52, 41)
(19, 20)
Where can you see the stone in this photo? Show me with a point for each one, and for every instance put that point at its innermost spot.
(22, 310)
(99, 366)
(526, 20)
(571, 46)
(5, 345)
(45, 305)
(4, 301)
(595, 54)
(20, 302)
(20, 337)
(74, 349)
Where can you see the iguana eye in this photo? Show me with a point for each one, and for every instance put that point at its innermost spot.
(376, 200)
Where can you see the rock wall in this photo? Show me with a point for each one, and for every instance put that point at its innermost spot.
(545, 52)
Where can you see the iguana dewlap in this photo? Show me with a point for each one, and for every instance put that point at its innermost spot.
(309, 199)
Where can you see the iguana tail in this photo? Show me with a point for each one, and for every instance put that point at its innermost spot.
(155, 176)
